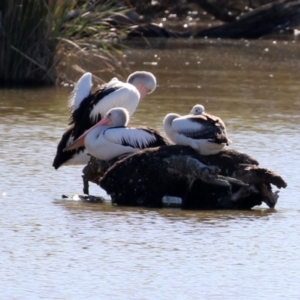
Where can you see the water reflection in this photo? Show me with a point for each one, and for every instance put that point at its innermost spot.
(72, 250)
(166, 213)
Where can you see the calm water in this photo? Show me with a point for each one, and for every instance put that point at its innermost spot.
(57, 249)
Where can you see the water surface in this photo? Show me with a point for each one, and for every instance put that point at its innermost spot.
(57, 249)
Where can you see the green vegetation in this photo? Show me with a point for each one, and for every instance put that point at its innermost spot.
(36, 34)
(55, 41)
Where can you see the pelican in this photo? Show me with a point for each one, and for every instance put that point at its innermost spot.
(203, 132)
(199, 109)
(88, 107)
(111, 138)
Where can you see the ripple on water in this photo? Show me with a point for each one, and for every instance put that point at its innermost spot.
(72, 250)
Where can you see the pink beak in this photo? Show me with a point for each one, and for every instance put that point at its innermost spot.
(77, 143)
(105, 121)
(80, 141)
(142, 90)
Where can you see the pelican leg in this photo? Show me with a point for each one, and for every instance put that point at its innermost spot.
(85, 186)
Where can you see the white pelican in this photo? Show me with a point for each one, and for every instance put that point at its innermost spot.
(203, 132)
(199, 109)
(111, 138)
(88, 107)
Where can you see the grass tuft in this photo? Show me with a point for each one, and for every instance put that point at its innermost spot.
(36, 34)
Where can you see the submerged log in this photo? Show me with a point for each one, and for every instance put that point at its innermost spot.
(266, 19)
(227, 180)
(152, 30)
(261, 21)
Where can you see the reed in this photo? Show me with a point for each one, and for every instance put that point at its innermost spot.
(35, 34)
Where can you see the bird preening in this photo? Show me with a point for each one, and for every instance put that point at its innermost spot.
(111, 137)
(203, 132)
(138, 165)
(87, 107)
(98, 124)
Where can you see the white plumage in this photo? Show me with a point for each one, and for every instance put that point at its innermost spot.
(199, 130)
(110, 137)
(81, 90)
(88, 107)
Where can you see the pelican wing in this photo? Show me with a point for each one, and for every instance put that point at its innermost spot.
(124, 95)
(81, 90)
(91, 105)
(201, 127)
(188, 125)
(61, 157)
(133, 137)
(215, 135)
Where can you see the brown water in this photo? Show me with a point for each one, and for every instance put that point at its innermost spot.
(56, 249)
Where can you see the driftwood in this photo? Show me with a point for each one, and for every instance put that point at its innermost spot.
(152, 30)
(266, 19)
(228, 180)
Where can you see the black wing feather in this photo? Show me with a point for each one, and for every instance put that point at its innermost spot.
(215, 131)
(61, 157)
(80, 121)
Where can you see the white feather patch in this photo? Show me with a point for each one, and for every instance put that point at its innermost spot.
(134, 137)
(184, 125)
(79, 158)
(127, 96)
(113, 82)
(81, 90)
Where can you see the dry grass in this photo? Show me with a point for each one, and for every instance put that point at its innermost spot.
(36, 34)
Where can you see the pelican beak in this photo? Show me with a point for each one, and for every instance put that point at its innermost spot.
(142, 90)
(105, 121)
(77, 143)
(80, 141)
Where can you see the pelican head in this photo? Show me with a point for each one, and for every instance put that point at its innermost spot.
(145, 82)
(117, 116)
(198, 109)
